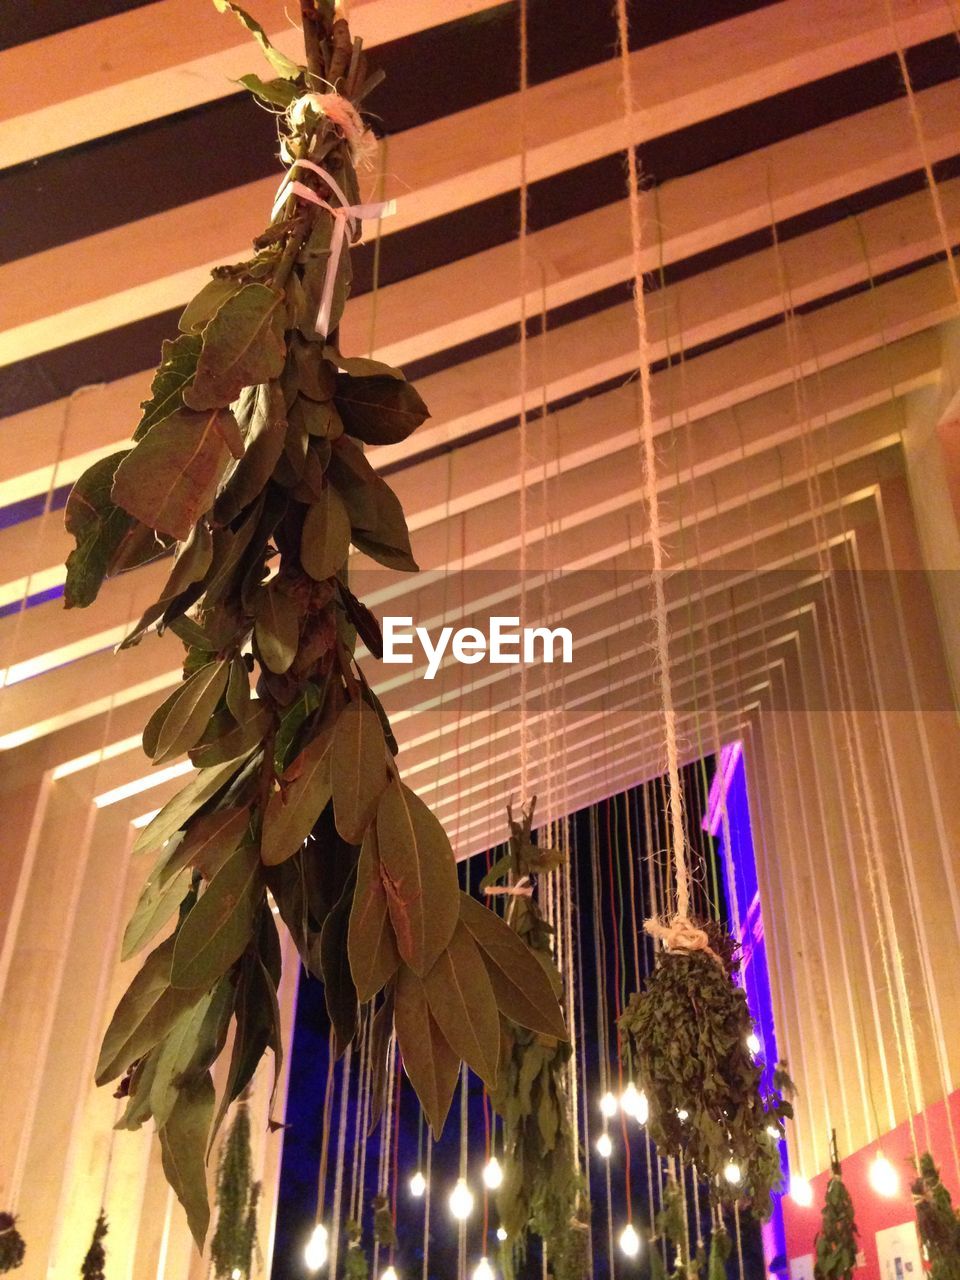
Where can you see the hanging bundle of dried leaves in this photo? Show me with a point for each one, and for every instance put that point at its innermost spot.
(938, 1221)
(836, 1242)
(12, 1244)
(96, 1256)
(687, 1032)
(231, 1249)
(542, 1190)
(355, 1260)
(248, 458)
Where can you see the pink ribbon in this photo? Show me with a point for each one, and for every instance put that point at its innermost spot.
(345, 218)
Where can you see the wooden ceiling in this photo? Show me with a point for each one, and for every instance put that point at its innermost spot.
(131, 165)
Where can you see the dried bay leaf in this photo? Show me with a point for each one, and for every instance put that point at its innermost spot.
(160, 898)
(204, 305)
(461, 999)
(209, 842)
(326, 536)
(318, 419)
(292, 811)
(183, 1146)
(419, 875)
(99, 527)
(523, 990)
(339, 992)
(255, 1030)
(178, 364)
(358, 770)
(190, 1048)
(276, 93)
(169, 480)
(218, 929)
(283, 65)
(184, 804)
(235, 740)
(384, 536)
(371, 944)
(379, 409)
(238, 690)
(178, 723)
(191, 564)
(277, 628)
(361, 366)
(265, 436)
(428, 1060)
(243, 344)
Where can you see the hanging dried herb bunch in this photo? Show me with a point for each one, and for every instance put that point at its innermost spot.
(232, 1246)
(687, 1036)
(938, 1221)
(355, 1260)
(248, 460)
(542, 1190)
(12, 1244)
(95, 1260)
(836, 1242)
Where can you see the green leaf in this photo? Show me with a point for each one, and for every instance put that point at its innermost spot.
(146, 1012)
(292, 811)
(235, 741)
(186, 802)
(294, 717)
(315, 376)
(319, 419)
(523, 990)
(99, 527)
(381, 1031)
(278, 93)
(205, 305)
(242, 345)
(219, 927)
(279, 61)
(178, 723)
(462, 1002)
(431, 1064)
(277, 628)
(256, 997)
(361, 366)
(383, 534)
(160, 898)
(137, 1110)
(265, 436)
(169, 480)
(190, 1048)
(238, 690)
(371, 945)
(420, 876)
(178, 363)
(183, 1145)
(338, 990)
(208, 842)
(358, 769)
(193, 559)
(326, 536)
(381, 409)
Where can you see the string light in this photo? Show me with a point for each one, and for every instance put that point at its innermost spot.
(773, 1132)
(634, 1103)
(236, 1274)
(608, 1106)
(683, 1114)
(390, 1274)
(461, 1201)
(604, 1146)
(418, 1185)
(883, 1176)
(483, 1271)
(732, 1173)
(753, 1043)
(629, 1241)
(315, 1254)
(801, 1192)
(492, 1174)
(501, 1234)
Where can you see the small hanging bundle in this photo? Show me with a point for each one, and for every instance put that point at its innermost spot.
(687, 1035)
(836, 1242)
(96, 1256)
(542, 1191)
(938, 1221)
(12, 1244)
(355, 1265)
(231, 1250)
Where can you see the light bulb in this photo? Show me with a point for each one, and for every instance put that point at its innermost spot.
(628, 1100)
(501, 1234)
(492, 1174)
(315, 1254)
(731, 1172)
(773, 1132)
(683, 1114)
(461, 1200)
(608, 1105)
(629, 1241)
(641, 1110)
(236, 1274)
(390, 1274)
(604, 1146)
(801, 1192)
(883, 1177)
(753, 1043)
(483, 1271)
(418, 1185)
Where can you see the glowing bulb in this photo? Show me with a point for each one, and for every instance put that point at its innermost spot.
(390, 1274)
(483, 1271)
(501, 1234)
(753, 1043)
(608, 1105)
(801, 1192)
(418, 1185)
(461, 1201)
(773, 1132)
(641, 1111)
(732, 1173)
(315, 1254)
(492, 1175)
(883, 1177)
(236, 1274)
(629, 1241)
(683, 1114)
(604, 1146)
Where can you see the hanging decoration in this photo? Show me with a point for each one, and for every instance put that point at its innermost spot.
(12, 1244)
(938, 1221)
(836, 1242)
(541, 1190)
(355, 1265)
(234, 1241)
(687, 1036)
(96, 1257)
(249, 457)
